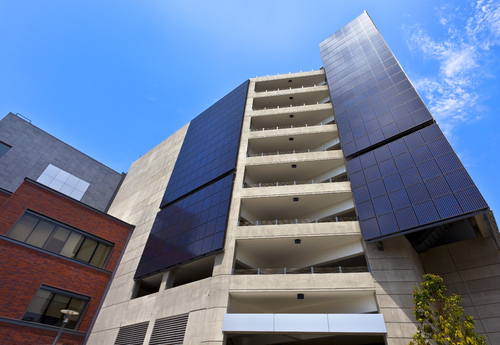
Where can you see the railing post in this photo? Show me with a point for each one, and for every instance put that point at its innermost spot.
(295, 220)
(276, 222)
(277, 183)
(316, 219)
(278, 153)
(293, 151)
(285, 270)
(294, 183)
(312, 181)
(340, 269)
(337, 219)
(312, 270)
(257, 223)
(260, 184)
(262, 154)
(258, 270)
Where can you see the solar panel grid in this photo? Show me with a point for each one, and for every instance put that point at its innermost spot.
(406, 175)
(360, 67)
(210, 146)
(190, 227)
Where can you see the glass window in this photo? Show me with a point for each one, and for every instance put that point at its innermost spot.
(3, 149)
(40, 233)
(47, 304)
(100, 255)
(55, 238)
(23, 227)
(87, 250)
(72, 245)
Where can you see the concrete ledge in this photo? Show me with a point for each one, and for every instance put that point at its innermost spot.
(288, 110)
(288, 76)
(295, 91)
(302, 282)
(298, 230)
(293, 131)
(305, 189)
(295, 157)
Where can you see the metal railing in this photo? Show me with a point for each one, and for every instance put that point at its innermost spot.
(274, 153)
(291, 126)
(331, 219)
(293, 88)
(291, 106)
(303, 270)
(294, 183)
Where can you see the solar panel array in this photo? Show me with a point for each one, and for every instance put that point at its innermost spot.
(403, 172)
(194, 210)
(210, 147)
(411, 182)
(188, 228)
(371, 95)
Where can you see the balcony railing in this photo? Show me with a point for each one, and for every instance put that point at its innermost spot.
(331, 219)
(303, 270)
(294, 183)
(274, 153)
(293, 88)
(291, 126)
(291, 106)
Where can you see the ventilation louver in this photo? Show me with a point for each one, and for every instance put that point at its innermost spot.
(132, 335)
(169, 330)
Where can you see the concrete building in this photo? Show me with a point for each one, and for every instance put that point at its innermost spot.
(298, 209)
(301, 209)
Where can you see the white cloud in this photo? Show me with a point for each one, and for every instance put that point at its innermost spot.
(461, 57)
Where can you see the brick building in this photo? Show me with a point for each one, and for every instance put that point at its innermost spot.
(56, 252)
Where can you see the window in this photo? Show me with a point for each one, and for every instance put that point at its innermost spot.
(57, 238)
(3, 148)
(47, 304)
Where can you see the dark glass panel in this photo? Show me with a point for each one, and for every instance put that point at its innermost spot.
(23, 227)
(40, 233)
(86, 250)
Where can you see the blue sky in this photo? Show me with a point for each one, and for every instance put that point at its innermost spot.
(114, 78)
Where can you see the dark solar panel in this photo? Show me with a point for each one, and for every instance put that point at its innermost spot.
(188, 228)
(364, 75)
(210, 147)
(411, 182)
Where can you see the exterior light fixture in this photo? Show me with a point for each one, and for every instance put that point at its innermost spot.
(298, 241)
(291, 97)
(294, 166)
(300, 296)
(291, 116)
(67, 315)
(295, 199)
(290, 80)
(290, 139)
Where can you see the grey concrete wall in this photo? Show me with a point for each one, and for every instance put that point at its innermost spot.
(138, 202)
(471, 269)
(396, 271)
(33, 150)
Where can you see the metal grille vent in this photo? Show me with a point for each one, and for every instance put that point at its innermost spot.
(132, 335)
(169, 330)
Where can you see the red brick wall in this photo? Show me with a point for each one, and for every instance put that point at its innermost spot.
(3, 197)
(23, 269)
(19, 335)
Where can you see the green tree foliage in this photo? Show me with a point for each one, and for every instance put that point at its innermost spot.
(441, 317)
